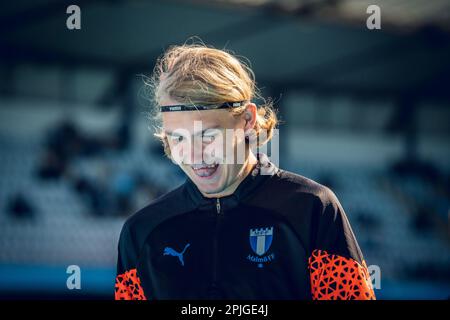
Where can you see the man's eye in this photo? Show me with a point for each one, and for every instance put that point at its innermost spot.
(208, 139)
(177, 139)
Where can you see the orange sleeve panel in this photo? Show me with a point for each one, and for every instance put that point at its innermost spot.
(128, 286)
(334, 277)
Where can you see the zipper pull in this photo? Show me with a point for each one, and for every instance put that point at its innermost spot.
(218, 205)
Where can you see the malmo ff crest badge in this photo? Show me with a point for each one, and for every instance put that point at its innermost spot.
(260, 241)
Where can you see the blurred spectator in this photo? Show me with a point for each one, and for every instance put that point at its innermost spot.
(20, 207)
(122, 138)
(92, 195)
(145, 192)
(51, 166)
(422, 221)
(366, 221)
(123, 186)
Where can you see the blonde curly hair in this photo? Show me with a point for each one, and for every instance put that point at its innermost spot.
(198, 74)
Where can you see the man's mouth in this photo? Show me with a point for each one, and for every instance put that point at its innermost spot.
(204, 170)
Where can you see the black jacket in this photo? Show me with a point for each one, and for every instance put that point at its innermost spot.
(279, 236)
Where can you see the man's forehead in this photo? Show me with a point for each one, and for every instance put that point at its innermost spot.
(192, 120)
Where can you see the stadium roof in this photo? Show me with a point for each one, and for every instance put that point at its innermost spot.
(323, 45)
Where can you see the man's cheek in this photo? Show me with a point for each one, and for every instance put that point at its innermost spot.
(214, 152)
(240, 150)
(234, 151)
(179, 155)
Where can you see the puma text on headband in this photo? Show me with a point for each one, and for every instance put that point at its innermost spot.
(183, 107)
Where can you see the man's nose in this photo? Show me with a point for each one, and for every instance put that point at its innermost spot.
(197, 152)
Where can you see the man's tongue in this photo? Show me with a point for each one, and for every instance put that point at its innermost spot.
(205, 171)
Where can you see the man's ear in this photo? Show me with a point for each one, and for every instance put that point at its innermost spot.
(250, 114)
(166, 147)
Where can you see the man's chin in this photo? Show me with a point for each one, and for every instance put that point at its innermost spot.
(207, 187)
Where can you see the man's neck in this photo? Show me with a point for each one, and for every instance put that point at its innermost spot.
(246, 169)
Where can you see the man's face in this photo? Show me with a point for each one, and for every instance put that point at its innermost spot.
(205, 145)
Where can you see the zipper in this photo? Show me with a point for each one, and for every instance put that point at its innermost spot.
(215, 248)
(218, 205)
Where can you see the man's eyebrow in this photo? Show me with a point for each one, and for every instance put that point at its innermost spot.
(171, 133)
(210, 128)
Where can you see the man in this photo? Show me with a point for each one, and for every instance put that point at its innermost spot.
(239, 227)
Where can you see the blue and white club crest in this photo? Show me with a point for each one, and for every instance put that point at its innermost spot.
(261, 239)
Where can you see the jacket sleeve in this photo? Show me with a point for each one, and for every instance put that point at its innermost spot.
(336, 265)
(128, 285)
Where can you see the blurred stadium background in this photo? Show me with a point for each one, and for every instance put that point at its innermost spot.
(365, 112)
